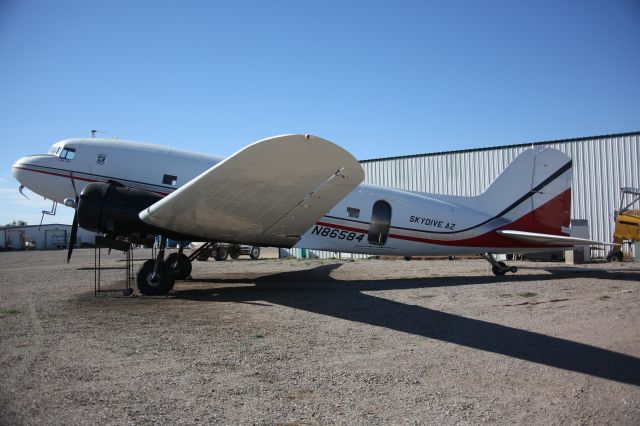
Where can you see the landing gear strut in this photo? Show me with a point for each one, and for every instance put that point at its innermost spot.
(499, 268)
(155, 277)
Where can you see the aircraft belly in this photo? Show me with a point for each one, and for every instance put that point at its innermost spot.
(406, 248)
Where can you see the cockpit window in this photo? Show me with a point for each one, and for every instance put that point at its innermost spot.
(68, 153)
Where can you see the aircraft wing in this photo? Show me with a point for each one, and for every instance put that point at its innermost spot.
(548, 239)
(268, 193)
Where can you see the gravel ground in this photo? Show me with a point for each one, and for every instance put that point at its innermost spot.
(320, 342)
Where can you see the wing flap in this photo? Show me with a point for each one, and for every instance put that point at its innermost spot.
(548, 239)
(270, 192)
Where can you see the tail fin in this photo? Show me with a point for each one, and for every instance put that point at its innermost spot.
(535, 190)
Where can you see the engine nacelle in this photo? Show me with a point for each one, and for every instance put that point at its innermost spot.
(113, 209)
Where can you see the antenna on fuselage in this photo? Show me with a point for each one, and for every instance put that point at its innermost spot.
(94, 131)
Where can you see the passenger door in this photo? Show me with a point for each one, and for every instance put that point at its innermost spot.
(380, 223)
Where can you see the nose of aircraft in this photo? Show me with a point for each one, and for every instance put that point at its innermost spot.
(17, 170)
(38, 173)
(24, 167)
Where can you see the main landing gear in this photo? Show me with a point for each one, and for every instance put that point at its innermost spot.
(155, 277)
(158, 276)
(499, 268)
(179, 264)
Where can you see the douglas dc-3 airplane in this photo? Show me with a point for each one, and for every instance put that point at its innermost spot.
(293, 191)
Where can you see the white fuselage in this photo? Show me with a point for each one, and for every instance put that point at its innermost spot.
(371, 219)
(135, 164)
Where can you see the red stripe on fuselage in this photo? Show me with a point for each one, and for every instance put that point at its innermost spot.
(342, 227)
(83, 179)
(58, 174)
(490, 238)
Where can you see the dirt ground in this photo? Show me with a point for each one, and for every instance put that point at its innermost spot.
(320, 342)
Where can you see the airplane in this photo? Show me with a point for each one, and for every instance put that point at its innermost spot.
(296, 191)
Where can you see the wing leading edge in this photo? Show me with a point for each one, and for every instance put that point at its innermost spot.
(268, 193)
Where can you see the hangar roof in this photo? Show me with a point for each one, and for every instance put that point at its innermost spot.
(613, 135)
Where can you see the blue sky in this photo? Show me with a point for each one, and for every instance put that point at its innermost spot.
(378, 78)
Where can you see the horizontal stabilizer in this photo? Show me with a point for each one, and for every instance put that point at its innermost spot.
(268, 193)
(548, 239)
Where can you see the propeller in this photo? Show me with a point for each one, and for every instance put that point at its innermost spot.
(74, 234)
(74, 226)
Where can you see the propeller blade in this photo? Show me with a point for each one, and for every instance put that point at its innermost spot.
(73, 184)
(74, 233)
(74, 226)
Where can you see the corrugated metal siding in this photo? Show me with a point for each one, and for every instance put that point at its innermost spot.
(601, 165)
(321, 254)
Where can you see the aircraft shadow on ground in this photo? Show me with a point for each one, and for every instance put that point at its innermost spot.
(314, 290)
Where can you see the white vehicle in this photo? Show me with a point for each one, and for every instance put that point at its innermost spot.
(294, 191)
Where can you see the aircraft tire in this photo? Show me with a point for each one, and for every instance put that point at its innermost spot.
(498, 271)
(149, 285)
(501, 270)
(615, 256)
(254, 254)
(182, 269)
(234, 256)
(203, 257)
(222, 253)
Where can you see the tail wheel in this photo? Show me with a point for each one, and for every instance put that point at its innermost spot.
(498, 271)
(222, 253)
(182, 268)
(501, 270)
(254, 254)
(151, 284)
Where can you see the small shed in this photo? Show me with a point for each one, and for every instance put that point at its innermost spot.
(45, 237)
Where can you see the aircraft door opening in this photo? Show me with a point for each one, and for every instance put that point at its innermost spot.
(380, 222)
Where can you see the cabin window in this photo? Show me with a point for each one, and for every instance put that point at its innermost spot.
(68, 153)
(170, 180)
(380, 223)
(353, 212)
